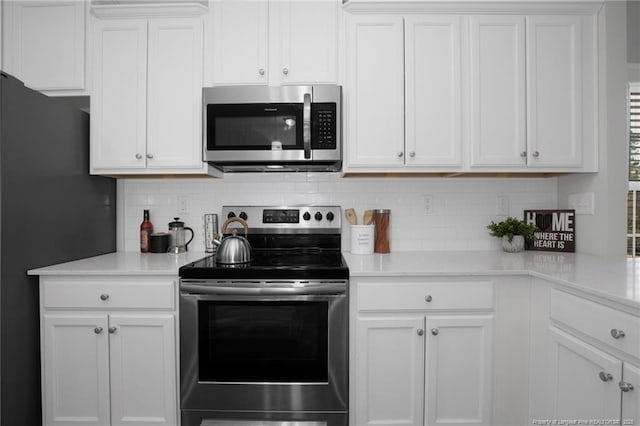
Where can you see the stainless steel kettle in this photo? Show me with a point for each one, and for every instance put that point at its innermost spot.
(233, 249)
(177, 236)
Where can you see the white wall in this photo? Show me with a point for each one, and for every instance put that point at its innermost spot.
(604, 233)
(462, 207)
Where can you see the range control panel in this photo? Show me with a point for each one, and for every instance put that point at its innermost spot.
(291, 218)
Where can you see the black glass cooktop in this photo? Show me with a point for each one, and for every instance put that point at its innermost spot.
(279, 264)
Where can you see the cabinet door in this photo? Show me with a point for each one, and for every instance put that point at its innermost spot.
(119, 100)
(458, 379)
(390, 371)
(374, 93)
(174, 111)
(497, 119)
(45, 43)
(143, 370)
(433, 81)
(583, 381)
(631, 396)
(240, 40)
(75, 359)
(305, 42)
(554, 91)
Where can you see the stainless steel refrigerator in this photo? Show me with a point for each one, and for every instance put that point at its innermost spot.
(51, 211)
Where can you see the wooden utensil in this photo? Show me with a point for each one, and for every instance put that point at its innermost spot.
(351, 216)
(367, 218)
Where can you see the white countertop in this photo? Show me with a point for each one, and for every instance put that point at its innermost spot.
(616, 280)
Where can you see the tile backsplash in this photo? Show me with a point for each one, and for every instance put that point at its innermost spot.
(426, 213)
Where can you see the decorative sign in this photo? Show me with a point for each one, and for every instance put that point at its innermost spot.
(555, 230)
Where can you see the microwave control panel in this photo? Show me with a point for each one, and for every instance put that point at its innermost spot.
(323, 125)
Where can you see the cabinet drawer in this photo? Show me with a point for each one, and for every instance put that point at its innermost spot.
(109, 294)
(381, 296)
(596, 321)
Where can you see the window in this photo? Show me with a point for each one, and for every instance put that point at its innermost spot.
(633, 197)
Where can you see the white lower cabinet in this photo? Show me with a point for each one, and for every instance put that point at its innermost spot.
(422, 368)
(111, 365)
(592, 366)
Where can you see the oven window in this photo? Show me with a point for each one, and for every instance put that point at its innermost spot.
(283, 341)
(253, 126)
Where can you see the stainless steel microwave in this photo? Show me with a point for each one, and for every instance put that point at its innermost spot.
(264, 128)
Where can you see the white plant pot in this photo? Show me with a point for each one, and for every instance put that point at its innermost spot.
(515, 246)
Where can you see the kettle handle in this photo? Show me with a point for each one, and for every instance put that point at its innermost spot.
(235, 219)
(186, 228)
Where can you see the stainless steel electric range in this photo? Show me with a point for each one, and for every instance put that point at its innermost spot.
(266, 342)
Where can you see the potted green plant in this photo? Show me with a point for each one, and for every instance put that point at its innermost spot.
(513, 232)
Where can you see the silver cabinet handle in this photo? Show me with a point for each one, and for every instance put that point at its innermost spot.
(435, 331)
(261, 71)
(536, 154)
(150, 156)
(605, 377)
(420, 332)
(428, 298)
(104, 297)
(523, 154)
(400, 154)
(112, 330)
(412, 154)
(97, 330)
(625, 387)
(138, 156)
(306, 125)
(617, 334)
(285, 71)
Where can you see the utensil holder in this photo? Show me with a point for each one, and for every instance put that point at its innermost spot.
(362, 237)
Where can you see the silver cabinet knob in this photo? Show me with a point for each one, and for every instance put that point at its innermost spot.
(428, 298)
(104, 297)
(400, 154)
(150, 156)
(435, 331)
(617, 334)
(261, 71)
(420, 332)
(285, 71)
(97, 330)
(138, 156)
(112, 330)
(605, 377)
(523, 154)
(536, 154)
(625, 387)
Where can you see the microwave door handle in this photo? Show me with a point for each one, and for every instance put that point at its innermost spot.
(306, 126)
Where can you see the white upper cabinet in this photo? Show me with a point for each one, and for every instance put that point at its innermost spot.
(497, 123)
(497, 90)
(44, 44)
(433, 91)
(146, 104)
(240, 42)
(274, 42)
(560, 85)
(374, 93)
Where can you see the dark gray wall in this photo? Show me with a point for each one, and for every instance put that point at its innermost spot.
(633, 31)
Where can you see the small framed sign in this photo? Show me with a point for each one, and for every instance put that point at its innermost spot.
(555, 230)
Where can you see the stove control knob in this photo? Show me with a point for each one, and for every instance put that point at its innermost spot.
(306, 216)
(330, 216)
(318, 216)
(230, 215)
(243, 216)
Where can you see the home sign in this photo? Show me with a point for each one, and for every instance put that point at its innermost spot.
(555, 230)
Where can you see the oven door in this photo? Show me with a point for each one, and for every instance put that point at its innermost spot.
(265, 353)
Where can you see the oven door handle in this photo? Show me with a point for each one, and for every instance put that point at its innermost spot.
(320, 289)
